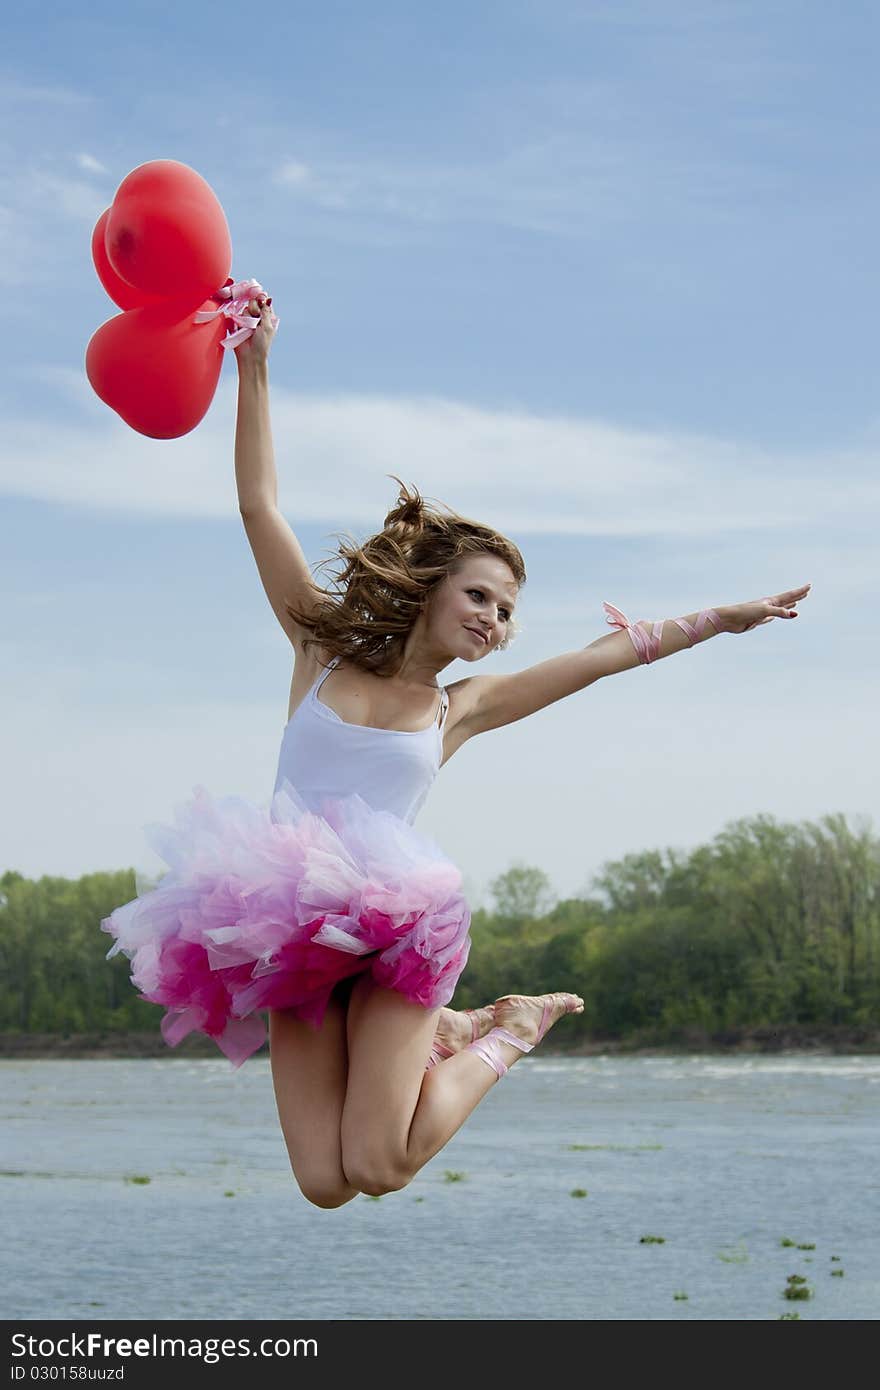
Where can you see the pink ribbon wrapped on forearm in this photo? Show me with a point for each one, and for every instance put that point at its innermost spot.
(647, 644)
(235, 308)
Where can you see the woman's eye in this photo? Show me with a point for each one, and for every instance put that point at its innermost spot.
(480, 594)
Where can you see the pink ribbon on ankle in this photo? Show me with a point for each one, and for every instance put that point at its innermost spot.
(235, 308)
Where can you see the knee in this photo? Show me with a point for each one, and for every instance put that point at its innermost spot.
(376, 1177)
(323, 1192)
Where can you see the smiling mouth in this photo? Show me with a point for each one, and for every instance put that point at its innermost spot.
(483, 639)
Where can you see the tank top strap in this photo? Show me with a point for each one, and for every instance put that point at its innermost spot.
(323, 674)
(444, 706)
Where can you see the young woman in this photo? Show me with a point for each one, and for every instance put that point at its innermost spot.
(328, 910)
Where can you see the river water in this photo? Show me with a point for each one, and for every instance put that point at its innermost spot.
(160, 1190)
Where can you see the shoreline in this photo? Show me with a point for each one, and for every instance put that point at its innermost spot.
(758, 1041)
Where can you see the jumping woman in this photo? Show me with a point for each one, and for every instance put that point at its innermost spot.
(327, 909)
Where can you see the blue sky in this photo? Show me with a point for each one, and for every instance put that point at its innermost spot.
(599, 274)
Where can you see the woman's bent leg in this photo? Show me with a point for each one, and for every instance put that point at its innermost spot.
(396, 1115)
(309, 1075)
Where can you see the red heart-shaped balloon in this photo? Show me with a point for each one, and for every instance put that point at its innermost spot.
(156, 368)
(125, 295)
(166, 233)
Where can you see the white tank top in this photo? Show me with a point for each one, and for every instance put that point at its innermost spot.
(392, 769)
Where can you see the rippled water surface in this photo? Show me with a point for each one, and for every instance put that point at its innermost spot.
(721, 1157)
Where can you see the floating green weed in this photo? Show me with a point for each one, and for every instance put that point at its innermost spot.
(228, 1194)
(734, 1254)
(373, 1196)
(807, 1245)
(451, 1176)
(579, 1192)
(836, 1258)
(797, 1288)
(789, 1317)
(652, 1240)
(680, 1296)
(418, 1199)
(613, 1148)
(787, 1241)
(837, 1273)
(140, 1179)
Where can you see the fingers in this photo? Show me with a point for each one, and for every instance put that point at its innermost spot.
(783, 603)
(258, 304)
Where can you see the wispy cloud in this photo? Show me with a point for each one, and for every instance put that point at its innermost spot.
(531, 473)
(90, 164)
(68, 196)
(42, 202)
(565, 182)
(13, 91)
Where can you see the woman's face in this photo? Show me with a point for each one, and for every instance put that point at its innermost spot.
(472, 607)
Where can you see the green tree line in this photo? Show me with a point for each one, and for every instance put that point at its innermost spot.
(771, 925)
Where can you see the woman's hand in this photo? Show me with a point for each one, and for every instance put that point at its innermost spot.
(255, 349)
(740, 617)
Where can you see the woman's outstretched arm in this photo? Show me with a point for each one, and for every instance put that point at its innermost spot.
(494, 701)
(645, 641)
(279, 557)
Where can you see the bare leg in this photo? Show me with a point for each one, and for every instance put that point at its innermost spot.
(440, 1111)
(395, 1116)
(309, 1074)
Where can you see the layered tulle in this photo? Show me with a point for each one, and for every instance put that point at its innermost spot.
(269, 907)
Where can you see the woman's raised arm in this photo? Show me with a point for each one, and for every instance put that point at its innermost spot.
(280, 561)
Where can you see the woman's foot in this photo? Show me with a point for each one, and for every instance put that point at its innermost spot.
(522, 1014)
(521, 1021)
(456, 1028)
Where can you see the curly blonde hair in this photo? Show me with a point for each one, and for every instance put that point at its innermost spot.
(385, 583)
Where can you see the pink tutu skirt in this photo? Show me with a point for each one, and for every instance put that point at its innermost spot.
(270, 907)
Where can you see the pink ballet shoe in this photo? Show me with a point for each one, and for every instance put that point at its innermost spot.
(439, 1051)
(488, 1049)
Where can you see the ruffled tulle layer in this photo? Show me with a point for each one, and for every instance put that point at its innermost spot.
(269, 907)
